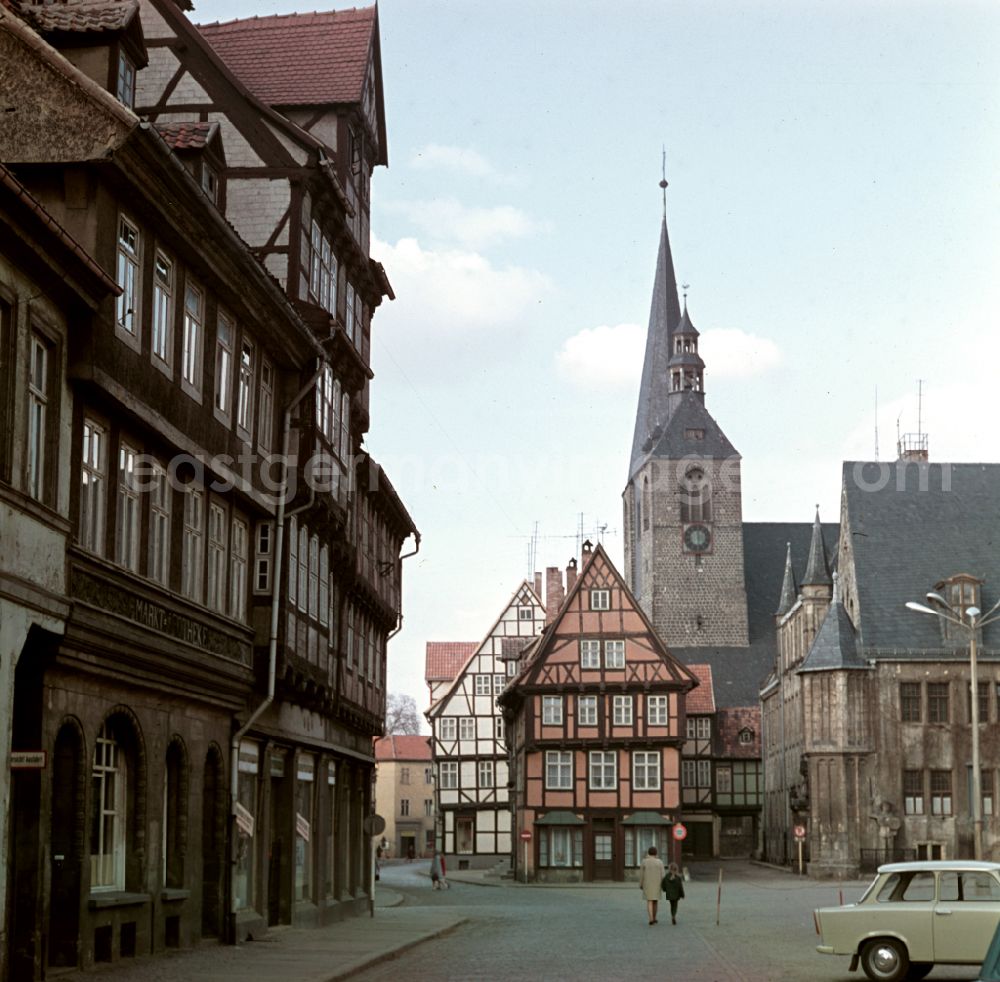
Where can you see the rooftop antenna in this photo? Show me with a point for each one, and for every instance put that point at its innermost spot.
(663, 181)
(533, 550)
(914, 446)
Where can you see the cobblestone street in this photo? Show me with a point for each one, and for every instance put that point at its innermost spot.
(585, 932)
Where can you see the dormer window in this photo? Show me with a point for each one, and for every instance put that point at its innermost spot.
(745, 737)
(126, 80)
(960, 592)
(210, 181)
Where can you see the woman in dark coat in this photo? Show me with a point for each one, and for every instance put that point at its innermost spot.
(673, 889)
(650, 874)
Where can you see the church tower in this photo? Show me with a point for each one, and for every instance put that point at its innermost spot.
(682, 503)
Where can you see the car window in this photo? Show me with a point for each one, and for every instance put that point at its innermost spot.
(920, 887)
(979, 886)
(868, 890)
(949, 886)
(889, 889)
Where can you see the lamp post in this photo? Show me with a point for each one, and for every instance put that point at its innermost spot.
(970, 620)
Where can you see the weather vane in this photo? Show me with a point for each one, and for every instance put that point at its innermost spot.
(663, 180)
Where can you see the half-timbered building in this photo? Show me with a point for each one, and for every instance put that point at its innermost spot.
(469, 742)
(595, 721)
(207, 708)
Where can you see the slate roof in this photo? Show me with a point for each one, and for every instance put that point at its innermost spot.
(701, 699)
(80, 16)
(664, 312)
(298, 59)
(818, 567)
(835, 644)
(187, 135)
(444, 659)
(913, 525)
(737, 673)
(690, 414)
(789, 588)
(403, 748)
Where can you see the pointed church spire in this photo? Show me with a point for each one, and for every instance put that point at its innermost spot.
(789, 589)
(664, 315)
(818, 567)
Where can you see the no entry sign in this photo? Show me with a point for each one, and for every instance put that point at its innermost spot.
(680, 832)
(526, 835)
(800, 831)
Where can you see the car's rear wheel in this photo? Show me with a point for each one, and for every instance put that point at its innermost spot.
(918, 971)
(885, 960)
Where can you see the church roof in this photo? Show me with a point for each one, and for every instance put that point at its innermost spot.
(738, 673)
(664, 313)
(676, 439)
(913, 524)
(835, 645)
(818, 567)
(789, 588)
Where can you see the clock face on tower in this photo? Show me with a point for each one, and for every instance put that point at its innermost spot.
(697, 538)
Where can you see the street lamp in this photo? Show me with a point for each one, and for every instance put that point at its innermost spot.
(970, 620)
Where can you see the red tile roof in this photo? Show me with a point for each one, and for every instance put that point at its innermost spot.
(403, 748)
(298, 59)
(701, 699)
(188, 135)
(80, 16)
(445, 658)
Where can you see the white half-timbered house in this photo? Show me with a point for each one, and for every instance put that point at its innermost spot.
(595, 722)
(469, 751)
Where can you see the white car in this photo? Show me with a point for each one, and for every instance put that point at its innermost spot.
(915, 916)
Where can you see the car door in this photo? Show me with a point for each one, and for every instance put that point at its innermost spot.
(965, 915)
(909, 913)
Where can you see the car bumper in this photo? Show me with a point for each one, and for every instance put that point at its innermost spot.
(825, 949)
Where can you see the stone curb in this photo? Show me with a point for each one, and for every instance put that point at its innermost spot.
(385, 956)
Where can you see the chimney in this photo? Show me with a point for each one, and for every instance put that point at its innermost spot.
(553, 593)
(588, 551)
(570, 575)
(538, 585)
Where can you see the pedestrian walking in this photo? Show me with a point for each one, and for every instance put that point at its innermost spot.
(673, 889)
(439, 872)
(650, 877)
(410, 853)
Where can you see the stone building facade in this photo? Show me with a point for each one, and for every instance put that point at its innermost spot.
(404, 795)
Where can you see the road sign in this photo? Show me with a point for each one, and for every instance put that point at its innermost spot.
(28, 759)
(526, 835)
(800, 831)
(680, 832)
(374, 825)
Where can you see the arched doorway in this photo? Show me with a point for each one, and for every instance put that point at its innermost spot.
(66, 846)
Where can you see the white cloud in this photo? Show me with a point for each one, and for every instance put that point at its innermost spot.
(732, 353)
(608, 355)
(449, 290)
(614, 355)
(448, 220)
(464, 160)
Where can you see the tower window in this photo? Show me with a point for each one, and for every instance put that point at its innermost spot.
(693, 434)
(696, 497)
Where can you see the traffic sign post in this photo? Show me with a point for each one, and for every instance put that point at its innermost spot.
(800, 836)
(680, 834)
(525, 839)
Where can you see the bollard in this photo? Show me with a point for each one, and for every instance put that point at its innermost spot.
(718, 900)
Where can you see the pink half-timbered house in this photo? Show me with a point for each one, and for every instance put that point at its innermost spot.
(595, 722)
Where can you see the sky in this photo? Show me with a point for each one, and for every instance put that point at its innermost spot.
(833, 206)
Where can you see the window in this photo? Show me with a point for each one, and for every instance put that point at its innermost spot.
(909, 701)
(248, 765)
(524, 613)
(724, 780)
(484, 686)
(314, 577)
(688, 779)
(127, 537)
(552, 710)
(194, 318)
(696, 497)
(326, 405)
(38, 404)
(324, 585)
(590, 653)
(745, 737)
(404, 775)
(485, 771)
(345, 427)
(498, 684)
(303, 552)
(941, 793)
(92, 488)
(558, 770)
(217, 558)
(225, 333)
(293, 558)
(404, 806)
(349, 314)
(698, 727)
(427, 775)
(262, 562)
(985, 788)
(193, 544)
(244, 402)
(428, 807)
(622, 707)
(603, 770)
(498, 728)
(614, 654)
(467, 728)
(125, 89)
(265, 413)
(159, 526)
(560, 847)
(128, 276)
(305, 773)
(913, 792)
(937, 702)
(984, 702)
(449, 774)
(586, 710)
(107, 827)
(703, 772)
(639, 838)
(163, 306)
(646, 770)
(447, 728)
(600, 600)
(965, 887)
(920, 888)
(658, 710)
(239, 547)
